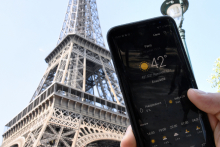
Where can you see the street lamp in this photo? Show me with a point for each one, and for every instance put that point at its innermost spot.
(176, 9)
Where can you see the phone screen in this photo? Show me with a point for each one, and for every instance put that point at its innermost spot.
(158, 80)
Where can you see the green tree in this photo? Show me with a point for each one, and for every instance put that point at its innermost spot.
(215, 78)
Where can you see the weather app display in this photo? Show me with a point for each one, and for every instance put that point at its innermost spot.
(159, 85)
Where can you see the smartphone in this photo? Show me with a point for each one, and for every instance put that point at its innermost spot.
(154, 75)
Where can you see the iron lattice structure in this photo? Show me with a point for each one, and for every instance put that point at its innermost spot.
(82, 18)
(78, 101)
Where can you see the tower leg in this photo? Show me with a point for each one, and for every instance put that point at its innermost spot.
(77, 133)
(59, 136)
(67, 63)
(44, 125)
(84, 72)
(112, 90)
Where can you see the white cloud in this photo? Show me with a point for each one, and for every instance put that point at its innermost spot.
(41, 49)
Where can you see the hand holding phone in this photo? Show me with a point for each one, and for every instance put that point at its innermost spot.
(154, 75)
(199, 98)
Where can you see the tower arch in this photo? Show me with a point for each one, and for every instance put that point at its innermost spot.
(87, 139)
(15, 145)
(19, 142)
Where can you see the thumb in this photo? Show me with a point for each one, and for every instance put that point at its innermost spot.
(129, 139)
(207, 102)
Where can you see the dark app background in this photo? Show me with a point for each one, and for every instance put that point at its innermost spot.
(165, 115)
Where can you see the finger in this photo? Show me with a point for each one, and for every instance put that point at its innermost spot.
(128, 140)
(213, 121)
(217, 135)
(207, 102)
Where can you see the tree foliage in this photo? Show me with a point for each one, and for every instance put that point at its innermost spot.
(215, 78)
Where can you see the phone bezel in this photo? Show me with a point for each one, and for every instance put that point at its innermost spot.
(126, 93)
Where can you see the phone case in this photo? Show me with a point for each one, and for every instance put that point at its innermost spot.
(136, 131)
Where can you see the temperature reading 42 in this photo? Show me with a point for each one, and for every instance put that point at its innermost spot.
(158, 59)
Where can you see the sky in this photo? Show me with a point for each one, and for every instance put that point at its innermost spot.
(29, 30)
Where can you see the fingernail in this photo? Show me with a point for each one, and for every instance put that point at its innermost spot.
(199, 91)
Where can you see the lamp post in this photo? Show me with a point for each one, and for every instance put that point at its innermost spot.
(176, 9)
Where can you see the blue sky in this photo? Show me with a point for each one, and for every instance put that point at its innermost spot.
(30, 29)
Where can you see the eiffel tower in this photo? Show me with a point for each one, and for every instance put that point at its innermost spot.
(78, 102)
